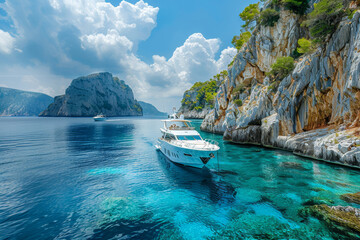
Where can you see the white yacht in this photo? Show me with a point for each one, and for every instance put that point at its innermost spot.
(182, 144)
(99, 118)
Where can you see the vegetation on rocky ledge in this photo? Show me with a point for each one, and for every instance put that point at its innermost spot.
(249, 16)
(202, 94)
(281, 68)
(269, 17)
(324, 19)
(239, 41)
(305, 46)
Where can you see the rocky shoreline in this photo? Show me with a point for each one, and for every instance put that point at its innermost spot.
(314, 112)
(334, 145)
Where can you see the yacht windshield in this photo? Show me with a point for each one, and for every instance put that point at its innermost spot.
(195, 137)
(178, 125)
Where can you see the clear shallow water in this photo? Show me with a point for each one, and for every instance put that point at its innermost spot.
(78, 179)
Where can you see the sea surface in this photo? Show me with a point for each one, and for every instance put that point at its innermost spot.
(73, 178)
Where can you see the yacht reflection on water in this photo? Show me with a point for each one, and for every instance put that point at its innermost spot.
(200, 181)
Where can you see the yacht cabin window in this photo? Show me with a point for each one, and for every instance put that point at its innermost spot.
(169, 137)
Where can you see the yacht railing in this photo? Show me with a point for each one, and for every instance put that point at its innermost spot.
(181, 128)
(209, 144)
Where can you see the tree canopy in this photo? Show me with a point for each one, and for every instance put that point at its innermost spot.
(239, 41)
(250, 15)
(324, 19)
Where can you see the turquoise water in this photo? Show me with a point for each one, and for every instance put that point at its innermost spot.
(78, 179)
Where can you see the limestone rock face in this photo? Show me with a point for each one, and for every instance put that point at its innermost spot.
(95, 94)
(194, 114)
(315, 111)
(248, 70)
(15, 102)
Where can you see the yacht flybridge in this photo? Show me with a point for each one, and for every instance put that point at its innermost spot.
(182, 144)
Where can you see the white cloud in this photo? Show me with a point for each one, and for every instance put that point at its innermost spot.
(63, 39)
(125, 24)
(227, 55)
(192, 62)
(6, 42)
(110, 43)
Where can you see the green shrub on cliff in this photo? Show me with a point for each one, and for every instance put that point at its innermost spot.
(269, 17)
(325, 17)
(305, 46)
(350, 13)
(238, 102)
(198, 108)
(210, 97)
(232, 62)
(239, 89)
(239, 41)
(273, 86)
(250, 15)
(296, 6)
(224, 73)
(282, 67)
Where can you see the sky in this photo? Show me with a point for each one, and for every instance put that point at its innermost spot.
(159, 47)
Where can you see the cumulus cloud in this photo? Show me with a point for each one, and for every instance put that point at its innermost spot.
(192, 62)
(6, 42)
(75, 36)
(63, 39)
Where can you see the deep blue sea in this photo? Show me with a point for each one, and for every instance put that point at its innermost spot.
(73, 178)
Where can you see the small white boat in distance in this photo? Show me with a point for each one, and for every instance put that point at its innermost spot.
(99, 118)
(182, 144)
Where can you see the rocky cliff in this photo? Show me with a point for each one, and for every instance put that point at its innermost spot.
(314, 111)
(150, 110)
(95, 94)
(198, 101)
(15, 102)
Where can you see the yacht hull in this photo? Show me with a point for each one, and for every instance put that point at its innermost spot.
(99, 119)
(185, 156)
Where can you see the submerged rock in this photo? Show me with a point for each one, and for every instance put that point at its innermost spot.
(293, 165)
(345, 220)
(95, 94)
(121, 208)
(247, 195)
(317, 201)
(251, 226)
(351, 197)
(317, 189)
